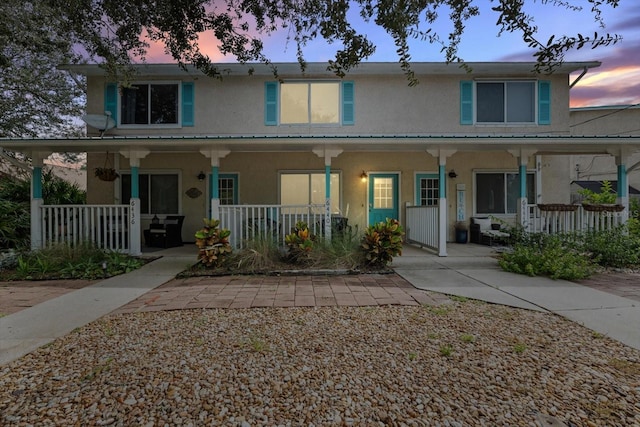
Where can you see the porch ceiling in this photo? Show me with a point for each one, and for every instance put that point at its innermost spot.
(302, 143)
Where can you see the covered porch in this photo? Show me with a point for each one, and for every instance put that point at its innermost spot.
(119, 226)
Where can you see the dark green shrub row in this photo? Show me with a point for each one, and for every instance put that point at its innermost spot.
(573, 256)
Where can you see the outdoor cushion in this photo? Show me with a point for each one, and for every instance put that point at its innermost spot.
(484, 223)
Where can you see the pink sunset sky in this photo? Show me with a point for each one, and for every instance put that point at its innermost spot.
(615, 82)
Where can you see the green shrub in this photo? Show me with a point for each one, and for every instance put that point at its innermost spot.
(341, 251)
(15, 226)
(553, 256)
(618, 247)
(259, 254)
(82, 261)
(300, 243)
(381, 242)
(213, 243)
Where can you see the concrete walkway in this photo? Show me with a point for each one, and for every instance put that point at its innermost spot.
(472, 271)
(26, 330)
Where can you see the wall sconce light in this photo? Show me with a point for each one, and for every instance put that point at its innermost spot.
(201, 176)
(452, 174)
(363, 176)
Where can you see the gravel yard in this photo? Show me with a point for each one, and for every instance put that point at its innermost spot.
(462, 364)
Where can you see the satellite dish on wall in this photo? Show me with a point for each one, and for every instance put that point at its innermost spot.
(99, 121)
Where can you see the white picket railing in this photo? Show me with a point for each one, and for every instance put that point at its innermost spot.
(579, 220)
(105, 226)
(248, 222)
(422, 225)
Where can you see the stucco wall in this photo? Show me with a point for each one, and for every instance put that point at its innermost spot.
(383, 105)
(258, 179)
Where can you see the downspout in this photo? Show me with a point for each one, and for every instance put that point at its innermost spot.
(585, 70)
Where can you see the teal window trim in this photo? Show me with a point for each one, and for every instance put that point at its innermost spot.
(466, 102)
(188, 104)
(111, 100)
(544, 102)
(271, 103)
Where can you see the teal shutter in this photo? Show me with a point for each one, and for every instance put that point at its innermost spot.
(271, 103)
(188, 96)
(466, 102)
(348, 103)
(111, 100)
(544, 102)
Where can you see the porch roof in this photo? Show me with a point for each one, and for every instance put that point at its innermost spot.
(539, 144)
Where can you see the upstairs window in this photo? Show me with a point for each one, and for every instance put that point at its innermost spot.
(304, 103)
(149, 104)
(309, 103)
(505, 102)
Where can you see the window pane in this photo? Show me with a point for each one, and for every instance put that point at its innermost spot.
(318, 191)
(294, 103)
(325, 99)
(513, 192)
(294, 189)
(490, 102)
(382, 193)
(143, 188)
(134, 103)
(164, 194)
(164, 104)
(429, 192)
(226, 191)
(520, 102)
(490, 197)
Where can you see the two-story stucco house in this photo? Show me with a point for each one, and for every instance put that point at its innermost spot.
(357, 149)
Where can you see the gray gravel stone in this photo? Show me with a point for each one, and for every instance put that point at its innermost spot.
(330, 366)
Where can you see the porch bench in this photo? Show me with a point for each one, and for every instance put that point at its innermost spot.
(485, 233)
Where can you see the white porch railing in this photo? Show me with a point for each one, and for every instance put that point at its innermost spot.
(580, 220)
(105, 226)
(422, 225)
(247, 222)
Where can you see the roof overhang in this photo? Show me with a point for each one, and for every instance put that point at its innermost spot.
(320, 68)
(304, 143)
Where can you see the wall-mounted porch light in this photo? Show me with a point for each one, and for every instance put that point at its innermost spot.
(363, 176)
(453, 174)
(201, 176)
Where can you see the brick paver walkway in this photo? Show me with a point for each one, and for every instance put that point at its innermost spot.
(18, 295)
(287, 291)
(625, 285)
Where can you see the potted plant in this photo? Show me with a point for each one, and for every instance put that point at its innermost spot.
(604, 201)
(462, 231)
(106, 174)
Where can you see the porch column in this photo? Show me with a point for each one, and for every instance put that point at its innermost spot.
(135, 243)
(442, 155)
(622, 156)
(327, 153)
(623, 191)
(214, 156)
(522, 210)
(36, 200)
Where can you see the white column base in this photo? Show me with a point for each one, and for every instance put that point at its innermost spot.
(36, 224)
(442, 233)
(135, 244)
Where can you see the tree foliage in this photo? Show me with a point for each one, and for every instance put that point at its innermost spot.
(120, 31)
(36, 98)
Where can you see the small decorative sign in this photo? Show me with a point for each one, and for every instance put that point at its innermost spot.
(193, 193)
